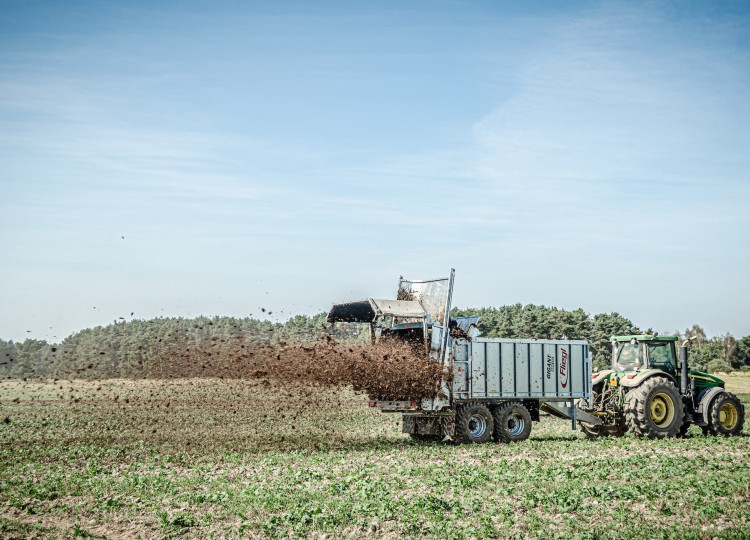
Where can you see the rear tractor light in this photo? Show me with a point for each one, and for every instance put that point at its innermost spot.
(372, 404)
(413, 404)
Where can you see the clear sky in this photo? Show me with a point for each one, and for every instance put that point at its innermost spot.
(188, 158)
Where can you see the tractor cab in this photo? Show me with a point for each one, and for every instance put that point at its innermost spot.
(636, 353)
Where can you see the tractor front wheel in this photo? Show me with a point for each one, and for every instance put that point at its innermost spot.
(655, 409)
(727, 415)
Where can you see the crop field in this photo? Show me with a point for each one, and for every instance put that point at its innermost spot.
(213, 458)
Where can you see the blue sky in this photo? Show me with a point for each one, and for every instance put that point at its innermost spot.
(289, 155)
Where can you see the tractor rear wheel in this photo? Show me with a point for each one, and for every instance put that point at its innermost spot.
(655, 409)
(474, 423)
(727, 415)
(512, 422)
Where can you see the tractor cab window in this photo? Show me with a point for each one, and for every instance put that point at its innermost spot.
(629, 357)
(661, 356)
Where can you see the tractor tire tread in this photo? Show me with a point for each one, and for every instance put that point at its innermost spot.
(715, 424)
(637, 409)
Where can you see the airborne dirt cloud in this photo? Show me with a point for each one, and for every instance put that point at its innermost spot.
(388, 370)
(302, 352)
(244, 394)
(242, 390)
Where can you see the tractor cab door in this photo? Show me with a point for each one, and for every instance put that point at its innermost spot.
(661, 355)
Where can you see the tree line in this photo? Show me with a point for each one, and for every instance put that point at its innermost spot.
(136, 348)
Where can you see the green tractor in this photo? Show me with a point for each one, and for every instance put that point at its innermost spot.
(648, 393)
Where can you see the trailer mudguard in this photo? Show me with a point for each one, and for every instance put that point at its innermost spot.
(633, 380)
(704, 407)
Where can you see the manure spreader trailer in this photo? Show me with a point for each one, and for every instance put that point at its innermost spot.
(493, 388)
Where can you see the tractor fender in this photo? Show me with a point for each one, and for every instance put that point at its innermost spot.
(599, 376)
(643, 376)
(704, 407)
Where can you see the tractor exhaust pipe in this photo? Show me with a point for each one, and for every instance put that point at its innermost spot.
(684, 367)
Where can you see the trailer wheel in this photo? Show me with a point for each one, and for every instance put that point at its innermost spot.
(727, 415)
(418, 437)
(655, 409)
(512, 423)
(474, 423)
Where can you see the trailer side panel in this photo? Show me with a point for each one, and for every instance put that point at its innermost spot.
(549, 370)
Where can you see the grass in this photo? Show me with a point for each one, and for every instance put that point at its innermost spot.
(737, 382)
(228, 459)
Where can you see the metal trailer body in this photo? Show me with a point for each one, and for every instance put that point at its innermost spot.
(546, 370)
(540, 375)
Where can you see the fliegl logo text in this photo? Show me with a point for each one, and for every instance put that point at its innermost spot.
(564, 368)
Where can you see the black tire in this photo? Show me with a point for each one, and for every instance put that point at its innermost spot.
(727, 415)
(474, 424)
(655, 409)
(420, 438)
(512, 423)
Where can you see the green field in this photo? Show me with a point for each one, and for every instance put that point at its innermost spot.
(206, 458)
